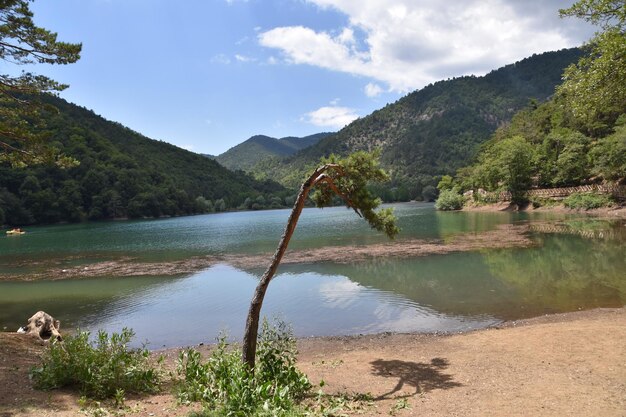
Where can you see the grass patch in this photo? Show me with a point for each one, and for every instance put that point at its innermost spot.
(106, 368)
(587, 201)
(543, 202)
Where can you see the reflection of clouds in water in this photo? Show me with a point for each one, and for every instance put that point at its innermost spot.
(371, 311)
(340, 294)
(395, 316)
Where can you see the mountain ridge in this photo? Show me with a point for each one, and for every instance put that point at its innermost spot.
(435, 130)
(249, 152)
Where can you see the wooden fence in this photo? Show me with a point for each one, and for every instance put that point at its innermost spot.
(617, 191)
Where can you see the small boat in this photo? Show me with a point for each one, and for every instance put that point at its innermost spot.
(14, 232)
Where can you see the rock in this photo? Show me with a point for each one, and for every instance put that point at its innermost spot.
(42, 326)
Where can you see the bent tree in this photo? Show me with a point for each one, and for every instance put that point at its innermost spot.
(346, 178)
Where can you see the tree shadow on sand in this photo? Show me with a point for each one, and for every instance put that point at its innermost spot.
(423, 377)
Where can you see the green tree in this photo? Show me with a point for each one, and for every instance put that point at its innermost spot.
(508, 164)
(609, 155)
(22, 42)
(346, 178)
(429, 193)
(594, 88)
(604, 13)
(220, 205)
(446, 183)
(572, 164)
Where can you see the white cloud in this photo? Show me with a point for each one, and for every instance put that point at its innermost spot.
(373, 90)
(188, 147)
(406, 44)
(243, 58)
(332, 116)
(340, 294)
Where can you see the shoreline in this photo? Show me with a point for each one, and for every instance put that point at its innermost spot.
(603, 212)
(551, 365)
(503, 236)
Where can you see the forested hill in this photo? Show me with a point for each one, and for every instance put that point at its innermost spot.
(121, 174)
(435, 130)
(247, 154)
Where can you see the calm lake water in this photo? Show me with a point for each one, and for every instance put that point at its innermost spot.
(576, 263)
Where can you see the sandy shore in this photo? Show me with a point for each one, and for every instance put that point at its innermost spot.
(558, 365)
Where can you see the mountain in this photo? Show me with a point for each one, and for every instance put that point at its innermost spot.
(247, 154)
(121, 174)
(435, 130)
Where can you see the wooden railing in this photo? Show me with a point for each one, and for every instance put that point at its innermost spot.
(617, 191)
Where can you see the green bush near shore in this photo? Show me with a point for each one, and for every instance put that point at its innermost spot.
(587, 201)
(449, 200)
(226, 386)
(106, 368)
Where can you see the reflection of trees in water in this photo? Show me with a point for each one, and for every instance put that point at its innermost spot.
(451, 224)
(74, 302)
(564, 274)
(589, 229)
(456, 283)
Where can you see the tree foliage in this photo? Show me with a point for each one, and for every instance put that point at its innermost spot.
(22, 42)
(449, 200)
(594, 89)
(604, 13)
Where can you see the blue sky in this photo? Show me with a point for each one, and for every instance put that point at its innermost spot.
(207, 74)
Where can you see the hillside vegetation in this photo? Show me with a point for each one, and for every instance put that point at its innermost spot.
(578, 136)
(121, 174)
(247, 154)
(435, 130)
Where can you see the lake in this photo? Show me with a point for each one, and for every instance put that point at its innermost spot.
(574, 262)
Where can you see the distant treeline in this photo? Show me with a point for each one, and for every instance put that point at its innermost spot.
(122, 174)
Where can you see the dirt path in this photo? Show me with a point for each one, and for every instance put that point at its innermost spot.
(559, 365)
(562, 365)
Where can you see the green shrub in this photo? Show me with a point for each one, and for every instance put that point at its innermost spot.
(587, 201)
(449, 200)
(226, 386)
(105, 368)
(542, 202)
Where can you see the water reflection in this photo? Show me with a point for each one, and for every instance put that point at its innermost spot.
(576, 263)
(564, 274)
(194, 309)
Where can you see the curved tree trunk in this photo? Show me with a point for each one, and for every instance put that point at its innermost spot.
(252, 322)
